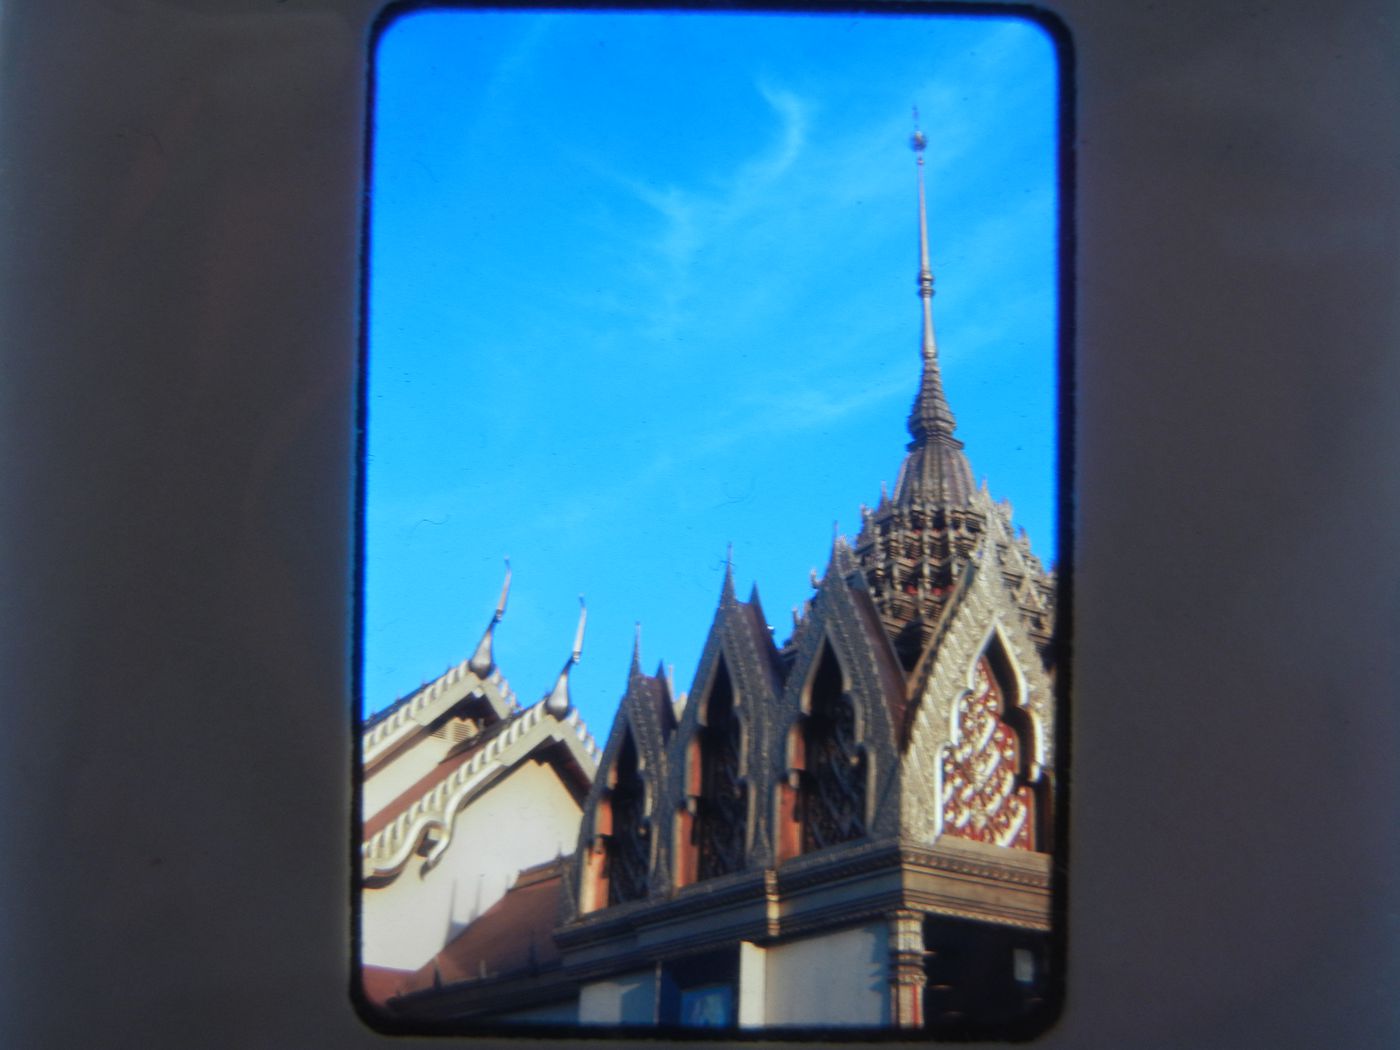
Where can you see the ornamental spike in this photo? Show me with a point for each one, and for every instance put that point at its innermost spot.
(482, 661)
(931, 413)
(578, 635)
(557, 702)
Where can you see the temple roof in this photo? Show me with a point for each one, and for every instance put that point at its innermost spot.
(514, 935)
(936, 472)
(653, 692)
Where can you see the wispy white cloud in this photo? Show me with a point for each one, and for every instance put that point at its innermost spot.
(754, 178)
(702, 218)
(517, 64)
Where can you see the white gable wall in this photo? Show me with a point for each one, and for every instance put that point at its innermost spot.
(400, 773)
(526, 818)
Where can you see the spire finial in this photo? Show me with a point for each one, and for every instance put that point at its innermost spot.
(931, 413)
(557, 703)
(637, 649)
(505, 593)
(482, 661)
(578, 635)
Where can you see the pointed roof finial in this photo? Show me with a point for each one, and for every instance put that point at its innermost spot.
(505, 593)
(557, 703)
(578, 635)
(936, 468)
(482, 661)
(931, 413)
(637, 649)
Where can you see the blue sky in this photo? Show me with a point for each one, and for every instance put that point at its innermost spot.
(643, 285)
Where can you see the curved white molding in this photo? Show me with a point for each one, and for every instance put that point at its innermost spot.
(454, 685)
(386, 853)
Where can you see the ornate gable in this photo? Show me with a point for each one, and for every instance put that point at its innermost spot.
(836, 760)
(983, 676)
(718, 766)
(617, 855)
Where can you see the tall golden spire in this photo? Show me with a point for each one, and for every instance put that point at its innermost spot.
(931, 413)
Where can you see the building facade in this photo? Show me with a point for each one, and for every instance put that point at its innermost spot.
(851, 829)
(443, 771)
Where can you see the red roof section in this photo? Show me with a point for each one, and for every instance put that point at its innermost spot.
(381, 983)
(516, 934)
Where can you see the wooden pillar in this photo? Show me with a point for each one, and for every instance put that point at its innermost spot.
(907, 978)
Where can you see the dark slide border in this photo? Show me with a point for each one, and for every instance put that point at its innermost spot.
(1021, 1028)
(181, 192)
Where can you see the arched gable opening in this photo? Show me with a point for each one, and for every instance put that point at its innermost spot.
(712, 825)
(987, 796)
(627, 845)
(831, 800)
(722, 812)
(617, 863)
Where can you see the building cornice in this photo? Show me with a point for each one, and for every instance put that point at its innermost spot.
(812, 894)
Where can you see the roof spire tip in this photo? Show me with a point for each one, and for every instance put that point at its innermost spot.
(930, 414)
(483, 661)
(505, 593)
(578, 635)
(558, 702)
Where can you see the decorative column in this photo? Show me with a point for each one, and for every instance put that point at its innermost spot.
(907, 978)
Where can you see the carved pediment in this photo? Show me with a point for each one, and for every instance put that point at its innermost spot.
(982, 698)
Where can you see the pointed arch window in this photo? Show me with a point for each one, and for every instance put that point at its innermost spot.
(834, 784)
(722, 808)
(627, 843)
(986, 797)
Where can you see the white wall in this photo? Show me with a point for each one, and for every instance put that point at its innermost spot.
(525, 819)
(629, 999)
(753, 985)
(831, 979)
(413, 763)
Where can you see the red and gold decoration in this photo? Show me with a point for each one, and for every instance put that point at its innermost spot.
(982, 799)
